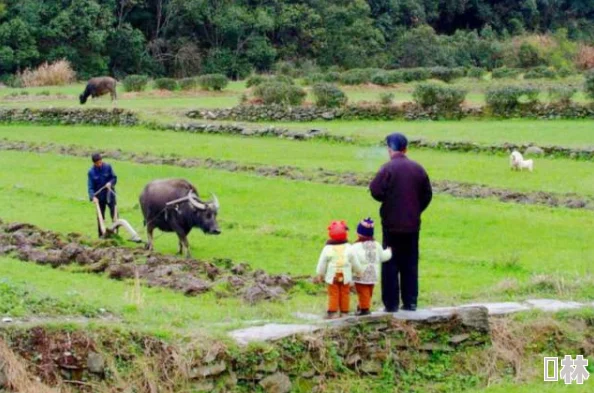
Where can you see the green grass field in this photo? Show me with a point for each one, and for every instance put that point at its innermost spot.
(570, 133)
(280, 225)
(550, 174)
(153, 101)
(471, 250)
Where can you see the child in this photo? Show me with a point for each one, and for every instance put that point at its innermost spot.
(335, 266)
(369, 254)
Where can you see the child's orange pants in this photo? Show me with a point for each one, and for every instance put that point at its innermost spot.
(364, 293)
(338, 295)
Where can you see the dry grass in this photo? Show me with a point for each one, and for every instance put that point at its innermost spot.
(56, 74)
(18, 379)
(585, 57)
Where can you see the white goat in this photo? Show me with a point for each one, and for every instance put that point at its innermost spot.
(517, 162)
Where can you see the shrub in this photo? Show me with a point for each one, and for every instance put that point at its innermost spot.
(286, 68)
(381, 78)
(564, 72)
(188, 83)
(477, 72)
(446, 99)
(280, 93)
(216, 82)
(166, 84)
(504, 72)
(55, 74)
(415, 74)
(358, 76)
(540, 72)
(135, 82)
(332, 76)
(355, 77)
(561, 94)
(446, 74)
(386, 98)
(589, 84)
(316, 77)
(329, 96)
(255, 80)
(45, 93)
(395, 76)
(13, 81)
(283, 79)
(505, 100)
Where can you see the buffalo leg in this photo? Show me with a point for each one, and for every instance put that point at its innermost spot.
(149, 237)
(181, 247)
(183, 243)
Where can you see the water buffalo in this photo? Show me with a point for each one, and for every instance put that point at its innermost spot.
(96, 87)
(173, 205)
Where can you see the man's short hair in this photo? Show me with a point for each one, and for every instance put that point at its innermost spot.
(96, 157)
(397, 141)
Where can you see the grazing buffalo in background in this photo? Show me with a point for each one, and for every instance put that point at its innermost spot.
(97, 87)
(173, 205)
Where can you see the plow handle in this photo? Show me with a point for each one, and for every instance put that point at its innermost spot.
(100, 218)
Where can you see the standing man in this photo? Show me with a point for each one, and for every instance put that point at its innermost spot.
(101, 185)
(404, 189)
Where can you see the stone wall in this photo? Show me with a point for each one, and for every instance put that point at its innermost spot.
(354, 346)
(58, 116)
(404, 111)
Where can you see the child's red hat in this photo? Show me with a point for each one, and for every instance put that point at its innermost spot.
(338, 230)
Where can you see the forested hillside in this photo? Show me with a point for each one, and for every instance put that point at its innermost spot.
(188, 37)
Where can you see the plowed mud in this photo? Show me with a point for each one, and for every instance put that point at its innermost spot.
(188, 276)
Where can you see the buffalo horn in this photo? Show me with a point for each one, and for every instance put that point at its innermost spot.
(215, 202)
(194, 201)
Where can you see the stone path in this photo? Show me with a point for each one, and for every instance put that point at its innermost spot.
(315, 322)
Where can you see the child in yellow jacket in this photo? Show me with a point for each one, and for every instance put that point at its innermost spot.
(336, 266)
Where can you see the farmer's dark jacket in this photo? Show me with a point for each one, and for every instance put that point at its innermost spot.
(404, 189)
(98, 177)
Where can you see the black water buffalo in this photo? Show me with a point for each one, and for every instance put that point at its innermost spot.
(96, 87)
(173, 205)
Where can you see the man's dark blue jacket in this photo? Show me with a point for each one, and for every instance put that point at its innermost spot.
(98, 177)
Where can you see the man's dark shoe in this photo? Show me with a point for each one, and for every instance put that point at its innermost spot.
(332, 315)
(412, 307)
(363, 312)
(395, 309)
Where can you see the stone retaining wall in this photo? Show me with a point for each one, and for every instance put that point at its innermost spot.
(58, 116)
(403, 111)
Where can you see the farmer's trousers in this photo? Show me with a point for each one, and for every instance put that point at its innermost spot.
(400, 275)
(103, 203)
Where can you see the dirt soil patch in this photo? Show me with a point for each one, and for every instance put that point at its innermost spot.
(189, 276)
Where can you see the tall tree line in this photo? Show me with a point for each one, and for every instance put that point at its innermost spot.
(186, 37)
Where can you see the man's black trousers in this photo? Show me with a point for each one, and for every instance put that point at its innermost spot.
(400, 275)
(103, 203)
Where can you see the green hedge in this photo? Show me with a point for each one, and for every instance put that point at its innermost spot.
(504, 72)
(329, 96)
(540, 73)
(280, 93)
(507, 100)
(188, 83)
(445, 99)
(166, 84)
(216, 82)
(135, 82)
